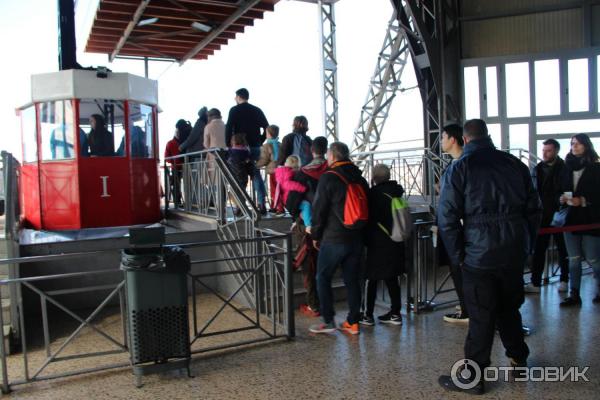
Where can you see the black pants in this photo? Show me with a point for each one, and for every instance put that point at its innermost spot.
(456, 274)
(394, 291)
(539, 258)
(494, 298)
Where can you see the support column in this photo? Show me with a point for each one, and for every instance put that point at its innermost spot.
(327, 30)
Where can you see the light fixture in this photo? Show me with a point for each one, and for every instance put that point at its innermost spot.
(199, 26)
(148, 21)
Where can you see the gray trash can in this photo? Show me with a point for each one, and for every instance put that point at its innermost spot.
(157, 308)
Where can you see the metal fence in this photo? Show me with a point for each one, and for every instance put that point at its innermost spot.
(49, 352)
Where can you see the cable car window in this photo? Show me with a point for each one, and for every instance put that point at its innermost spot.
(56, 125)
(29, 135)
(102, 124)
(141, 130)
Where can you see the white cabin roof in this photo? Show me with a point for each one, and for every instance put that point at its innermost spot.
(84, 84)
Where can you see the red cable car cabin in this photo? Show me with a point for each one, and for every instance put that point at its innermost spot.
(89, 151)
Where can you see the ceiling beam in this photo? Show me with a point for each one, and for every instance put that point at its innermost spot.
(132, 24)
(244, 6)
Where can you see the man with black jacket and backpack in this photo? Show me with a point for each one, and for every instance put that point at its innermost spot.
(340, 212)
(492, 193)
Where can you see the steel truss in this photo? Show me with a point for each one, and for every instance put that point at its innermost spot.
(435, 49)
(327, 30)
(382, 90)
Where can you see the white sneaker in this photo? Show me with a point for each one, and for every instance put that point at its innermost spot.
(563, 287)
(530, 288)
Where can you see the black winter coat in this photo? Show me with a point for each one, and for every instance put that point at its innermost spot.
(241, 165)
(328, 207)
(492, 193)
(588, 187)
(548, 184)
(385, 258)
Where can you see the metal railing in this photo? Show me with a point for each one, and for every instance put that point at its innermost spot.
(45, 357)
(204, 185)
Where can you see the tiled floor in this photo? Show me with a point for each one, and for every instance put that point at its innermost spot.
(382, 363)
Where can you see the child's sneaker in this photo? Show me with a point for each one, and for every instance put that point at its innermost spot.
(366, 320)
(389, 318)
(352, 329)
(322, 328)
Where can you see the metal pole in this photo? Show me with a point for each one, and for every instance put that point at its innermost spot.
(146, 67)
(5, 385)
(289, 287)
(45, 326)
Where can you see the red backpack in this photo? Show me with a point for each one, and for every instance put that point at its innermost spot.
(356, 207)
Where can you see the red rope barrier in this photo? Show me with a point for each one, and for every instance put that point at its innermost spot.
(572, 228)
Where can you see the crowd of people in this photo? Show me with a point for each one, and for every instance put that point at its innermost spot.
(490, 213)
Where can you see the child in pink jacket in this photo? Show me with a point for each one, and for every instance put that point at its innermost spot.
(291, 191)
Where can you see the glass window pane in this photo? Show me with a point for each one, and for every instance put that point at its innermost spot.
(141, 128)
(471, 76)
(547, 87)
(56, 123)
(29, 127)
(101, 124)
(517, 90)
(578, 85)
(569, 126)
(495, 132)
(491, 83)
(519, 139)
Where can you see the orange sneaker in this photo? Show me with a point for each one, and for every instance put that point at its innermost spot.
(352, 329)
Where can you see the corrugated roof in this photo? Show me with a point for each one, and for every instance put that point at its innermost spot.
(117, 31)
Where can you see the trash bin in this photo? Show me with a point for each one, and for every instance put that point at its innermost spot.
(157, 308)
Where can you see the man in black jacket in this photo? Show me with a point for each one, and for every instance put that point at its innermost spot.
(248, 119)
(492, 193)
(338, 244)
(547, 180)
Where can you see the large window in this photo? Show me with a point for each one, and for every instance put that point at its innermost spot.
(141, 130)
(29, 126)
(57, 131)
(527, 99)
(101, 124)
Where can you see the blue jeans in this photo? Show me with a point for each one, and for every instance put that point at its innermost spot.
(331, 255)
(306, 213)
(257, 182)
(578, 247)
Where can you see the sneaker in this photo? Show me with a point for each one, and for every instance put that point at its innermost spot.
(352, 329)
(456, 318)
(571, 301)
(531, 288)
(389, 318)
(262, 209)
(322, 328)
(280, 213)
(366, 320)
(308, 310)
(563, 287)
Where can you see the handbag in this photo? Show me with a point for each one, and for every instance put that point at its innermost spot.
(559, 219)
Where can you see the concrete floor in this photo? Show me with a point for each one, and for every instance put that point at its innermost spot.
(381, 363)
